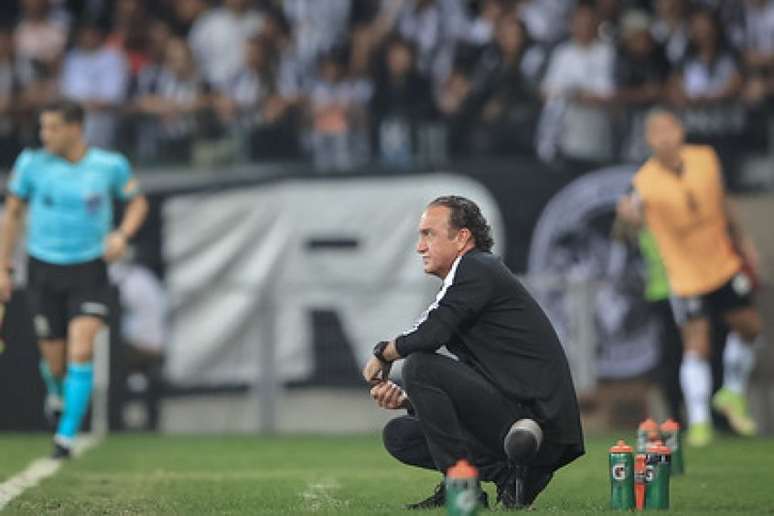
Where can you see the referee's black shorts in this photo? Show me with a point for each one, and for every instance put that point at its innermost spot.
(58, 293)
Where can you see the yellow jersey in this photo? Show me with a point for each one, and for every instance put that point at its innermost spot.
(686, 213)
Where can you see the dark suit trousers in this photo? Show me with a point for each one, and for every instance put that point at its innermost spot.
(459, 414)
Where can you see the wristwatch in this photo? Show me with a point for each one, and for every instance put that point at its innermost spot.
(379, 351)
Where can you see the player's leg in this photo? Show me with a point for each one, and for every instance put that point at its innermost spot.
(52, 370)
(88, 307)
(742, 343)
(48, 306)
(695, 370)
(79, 379)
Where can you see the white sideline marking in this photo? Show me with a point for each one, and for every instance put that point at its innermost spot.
(40, 469)
(317, 496)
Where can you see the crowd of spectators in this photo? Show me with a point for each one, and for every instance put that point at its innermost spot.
(342, 82)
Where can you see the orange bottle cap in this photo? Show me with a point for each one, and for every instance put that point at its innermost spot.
(670, 425)
(463, 469)
(621, 447)
(658, 447)
(649, 425)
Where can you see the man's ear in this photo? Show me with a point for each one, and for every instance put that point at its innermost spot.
(463, 237)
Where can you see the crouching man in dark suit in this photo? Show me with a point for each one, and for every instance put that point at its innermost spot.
(503, 397)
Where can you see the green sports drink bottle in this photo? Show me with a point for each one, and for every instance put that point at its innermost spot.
(621, 477)
(462, 489)
(670, 431)
(657, 465)
(647, 432)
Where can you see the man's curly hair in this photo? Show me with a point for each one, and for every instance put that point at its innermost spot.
(464, 213)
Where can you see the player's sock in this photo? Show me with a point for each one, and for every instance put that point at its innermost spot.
(738, 362)
(77, 391)
(54, 385)
(696, 381)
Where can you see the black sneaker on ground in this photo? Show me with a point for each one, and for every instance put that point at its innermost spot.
(522, 486)
(511, 492)
(60, 451)
(438, 499)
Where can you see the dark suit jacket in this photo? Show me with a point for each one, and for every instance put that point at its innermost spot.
(488, 319)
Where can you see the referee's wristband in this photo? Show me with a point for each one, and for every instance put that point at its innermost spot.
(379, 351)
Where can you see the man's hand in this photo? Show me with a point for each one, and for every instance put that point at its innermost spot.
(115, 246)
(629, 211)
(751, 256)
(376, 371)
(389, 395)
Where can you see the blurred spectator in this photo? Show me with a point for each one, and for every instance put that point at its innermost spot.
(182, 14)
(337, 110)
(158, 34)
(170, 99)
(252, 108)
(9, 142)
(129, 33)
(641, 71)
(97, 76)
(506, 92)
(317, 27)
(293, 80)
(432, 26)
(456, 105)
(608, 13)
(670, 28)
(706, 87)
(242, 100)
(39, 40)
(547, 20)
(480, 30)
(759, 48)
(218, 38)
(402, 101)
(578, 88)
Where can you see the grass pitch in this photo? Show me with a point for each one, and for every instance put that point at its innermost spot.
(348, 475)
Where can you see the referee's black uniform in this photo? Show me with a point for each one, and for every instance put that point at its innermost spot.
(511, 366)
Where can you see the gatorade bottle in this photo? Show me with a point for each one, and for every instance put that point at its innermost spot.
(670, 431)
(462, 489)
(647, 433)
(621, 477)
(639, 481)
(657, 459)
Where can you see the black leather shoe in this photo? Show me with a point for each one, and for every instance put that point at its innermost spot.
(522, 486)
(511, 492)
(438, 499)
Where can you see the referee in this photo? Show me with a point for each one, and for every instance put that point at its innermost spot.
(67, 190)
(508, 379)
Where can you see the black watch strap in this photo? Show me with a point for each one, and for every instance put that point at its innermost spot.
(379, 350)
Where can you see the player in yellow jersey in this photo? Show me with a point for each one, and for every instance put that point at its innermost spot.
(678, 193)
